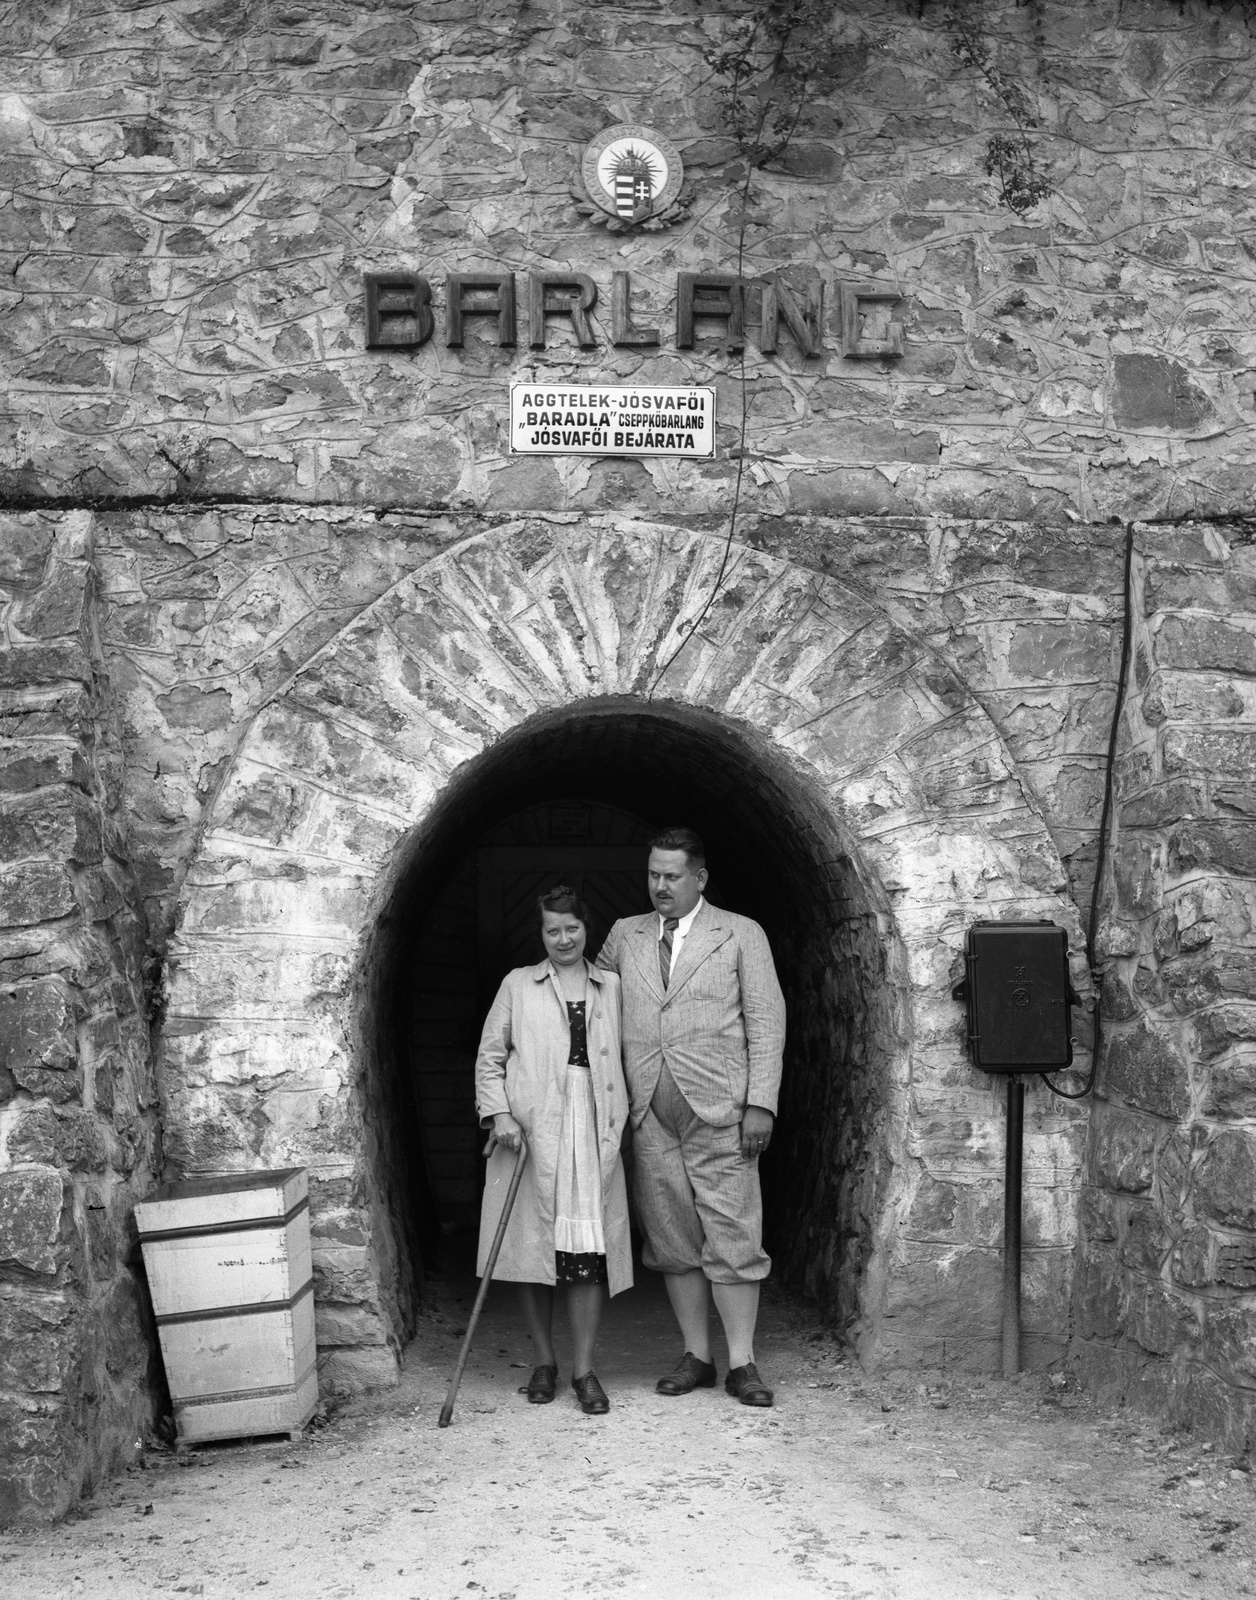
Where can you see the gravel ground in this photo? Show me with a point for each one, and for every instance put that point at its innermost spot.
(915, 1485)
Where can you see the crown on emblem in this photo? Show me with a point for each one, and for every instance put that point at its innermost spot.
(633, 178)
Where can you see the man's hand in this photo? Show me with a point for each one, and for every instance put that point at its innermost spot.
(756, 1131)
(505, 1131)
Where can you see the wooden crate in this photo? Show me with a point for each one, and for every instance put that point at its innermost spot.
(230, 1273)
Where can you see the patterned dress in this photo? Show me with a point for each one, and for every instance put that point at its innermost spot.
(579, 1243)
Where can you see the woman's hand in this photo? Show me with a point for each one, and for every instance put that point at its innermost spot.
(505, 1131)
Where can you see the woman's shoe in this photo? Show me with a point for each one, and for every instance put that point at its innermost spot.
(591, 1395)
(541, 1385)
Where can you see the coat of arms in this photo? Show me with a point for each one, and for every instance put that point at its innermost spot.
(632, 176)
(635, 176)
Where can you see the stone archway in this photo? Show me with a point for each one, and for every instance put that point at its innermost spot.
(337, 787)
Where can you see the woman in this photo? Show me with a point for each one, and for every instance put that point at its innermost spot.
(549, 1069)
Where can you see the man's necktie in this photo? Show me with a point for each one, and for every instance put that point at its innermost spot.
(665, 948)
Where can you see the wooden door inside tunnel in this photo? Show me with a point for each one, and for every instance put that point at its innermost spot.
(574, 797)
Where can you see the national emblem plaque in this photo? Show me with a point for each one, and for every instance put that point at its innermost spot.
(631, 173)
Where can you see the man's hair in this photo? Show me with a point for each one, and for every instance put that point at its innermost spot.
(562, 898)
(681, 839)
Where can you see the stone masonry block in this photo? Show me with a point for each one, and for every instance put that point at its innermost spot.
(1100, 1216)
(38, 764)
(57, 610)
(1220, 752)
(1215, 908)
(1101, 1296)
(1214, 1405)
(346, 1326)
(1147, 1240)
(1237, 798)
(1150, 391)
(37, 1344)
(35, 1445)
(1166, 803)
(1215, 972)
(59, 1086)
(1236, 1264)
(43, 663)
(1179, 587)
(25, 543)
(1225, 1181)
(1191, 1261)
(37, 1025)
(1222, 845)
(1217, 1030)
(1231, 1088)
(1163, 1319)
(1124, 1144)
(353, 1370)
(34, 891)
(71, 1139)
(1206, 644)
(1231, 1336)
(1060, 651)
(1197, 697)
(1145, 1069)
(1136, 864)
(956, 1289)
(64, 826)
(30, 1219)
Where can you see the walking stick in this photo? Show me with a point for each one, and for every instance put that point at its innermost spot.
(447, 1410)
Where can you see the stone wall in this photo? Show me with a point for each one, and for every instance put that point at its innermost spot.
(78, 1134)
(197, 188)
(211, 617)
(248, 545)
(1167, 1302)
(335, 777)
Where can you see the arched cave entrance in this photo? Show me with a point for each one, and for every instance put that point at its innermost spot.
(575, 794)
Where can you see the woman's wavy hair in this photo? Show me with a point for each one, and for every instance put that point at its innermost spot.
(562, 898)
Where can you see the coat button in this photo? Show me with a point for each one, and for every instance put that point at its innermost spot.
(606, 1052)
(610, 1083)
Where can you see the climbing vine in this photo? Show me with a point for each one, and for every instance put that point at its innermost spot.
(1011, 157)
(772, 61)
(778, 57)
(766, 68)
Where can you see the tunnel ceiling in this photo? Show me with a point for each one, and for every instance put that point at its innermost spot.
(766, 850)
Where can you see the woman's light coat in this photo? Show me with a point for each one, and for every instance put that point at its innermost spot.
(521, 1068)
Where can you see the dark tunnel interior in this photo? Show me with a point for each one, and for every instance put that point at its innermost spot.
(574, 796)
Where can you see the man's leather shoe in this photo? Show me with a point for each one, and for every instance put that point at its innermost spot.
(540, 1386)
(690, 1374)
(591, 1395)
(748, 1386)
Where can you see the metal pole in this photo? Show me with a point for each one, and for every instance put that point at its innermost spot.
(447, 1410)
(1012, 1225)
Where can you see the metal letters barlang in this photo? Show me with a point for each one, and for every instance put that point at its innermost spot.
(399, 314)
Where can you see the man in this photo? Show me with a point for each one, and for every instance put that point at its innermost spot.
(703, 1035)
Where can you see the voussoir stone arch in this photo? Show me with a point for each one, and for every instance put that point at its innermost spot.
(336, 773)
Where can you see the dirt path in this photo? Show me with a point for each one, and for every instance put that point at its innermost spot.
(956, 1490)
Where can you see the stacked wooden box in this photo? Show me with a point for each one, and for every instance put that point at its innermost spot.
(229, 1269)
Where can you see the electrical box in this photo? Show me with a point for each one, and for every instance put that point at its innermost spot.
(1018, 994)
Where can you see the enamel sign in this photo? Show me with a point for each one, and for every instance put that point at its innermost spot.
(612, 420)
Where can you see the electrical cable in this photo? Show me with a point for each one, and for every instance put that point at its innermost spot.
(689, 630)
(1105, 816)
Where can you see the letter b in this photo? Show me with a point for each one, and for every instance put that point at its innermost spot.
(398, 310)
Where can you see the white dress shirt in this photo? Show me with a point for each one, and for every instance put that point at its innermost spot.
(678, 934)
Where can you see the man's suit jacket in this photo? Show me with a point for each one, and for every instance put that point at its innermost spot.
(720, 1023)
